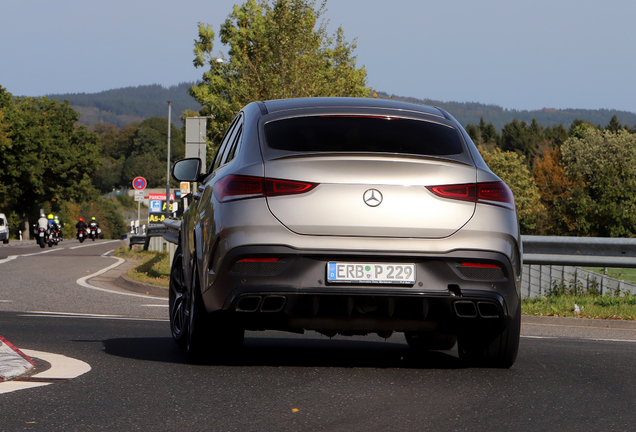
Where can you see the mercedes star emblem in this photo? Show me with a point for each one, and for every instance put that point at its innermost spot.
(372, 197)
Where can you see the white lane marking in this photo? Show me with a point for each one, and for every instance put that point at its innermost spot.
(62, 367)
(12, 257)
(95, 244)
(6, 301)
(155, 305)
(83, 281)
(75, 314)
(32, 315)
(9, 258)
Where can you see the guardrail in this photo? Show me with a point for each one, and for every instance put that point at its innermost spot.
(579, 251)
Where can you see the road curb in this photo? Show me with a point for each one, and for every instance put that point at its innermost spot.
(128, 284)
(13, 362)
(578, 322)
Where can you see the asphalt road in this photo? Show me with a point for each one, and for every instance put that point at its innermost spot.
(570, 374)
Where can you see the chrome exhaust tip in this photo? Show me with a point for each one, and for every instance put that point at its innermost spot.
(273, 303)
(465, 309)
(248, 304)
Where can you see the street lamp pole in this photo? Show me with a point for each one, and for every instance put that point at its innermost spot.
(168, 164)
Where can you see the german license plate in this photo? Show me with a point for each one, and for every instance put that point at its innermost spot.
(371, 273)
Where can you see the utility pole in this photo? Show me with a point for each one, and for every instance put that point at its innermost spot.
(168, 164)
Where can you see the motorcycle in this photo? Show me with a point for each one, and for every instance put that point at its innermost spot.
(94, 231)
(53, 237)
(41, 236)
(81, 235)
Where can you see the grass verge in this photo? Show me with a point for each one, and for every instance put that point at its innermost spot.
(582, 306)
(151, 268)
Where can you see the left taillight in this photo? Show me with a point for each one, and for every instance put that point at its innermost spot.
(237, 187)
(493, 193)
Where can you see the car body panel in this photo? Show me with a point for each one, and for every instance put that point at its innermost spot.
(337, 206)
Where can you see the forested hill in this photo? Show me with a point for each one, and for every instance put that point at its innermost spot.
(131, 104)
(126, 105)
(471, 112)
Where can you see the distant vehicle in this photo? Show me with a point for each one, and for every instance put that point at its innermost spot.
(4, 229)
(348, 216)
(123, 237)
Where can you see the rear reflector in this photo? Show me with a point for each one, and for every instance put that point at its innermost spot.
(494, 193)
(238, 187)
(479, 265)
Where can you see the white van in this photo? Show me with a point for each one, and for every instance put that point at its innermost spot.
(4, 229)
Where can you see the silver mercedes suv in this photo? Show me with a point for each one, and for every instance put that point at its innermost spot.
(348, 216)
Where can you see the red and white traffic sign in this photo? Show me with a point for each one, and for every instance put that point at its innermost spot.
(139, 183)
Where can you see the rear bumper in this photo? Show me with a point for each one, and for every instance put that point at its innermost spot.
(292, 294)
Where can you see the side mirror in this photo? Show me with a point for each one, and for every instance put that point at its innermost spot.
(187, 170)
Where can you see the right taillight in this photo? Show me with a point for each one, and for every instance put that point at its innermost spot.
(493, 193)
(237, 187)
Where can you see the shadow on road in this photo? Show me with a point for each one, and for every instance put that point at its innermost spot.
(295, 352)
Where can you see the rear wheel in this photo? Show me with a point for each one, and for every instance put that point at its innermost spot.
(178, 301)
(41, 242)
(210, 336)
(498, 349)
(430, 341)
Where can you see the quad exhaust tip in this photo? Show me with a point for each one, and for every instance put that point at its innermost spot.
(470, 309)
(270, 303)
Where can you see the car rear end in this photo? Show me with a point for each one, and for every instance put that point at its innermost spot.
(366, 219)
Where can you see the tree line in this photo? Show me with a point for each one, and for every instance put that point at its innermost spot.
(47, 163)
(576, 182)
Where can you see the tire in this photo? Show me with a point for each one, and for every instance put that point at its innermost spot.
(50, 243)
(430, 341)
(211, 338)
(81, 239)
(498, 349)
(5, 241)
(178, 301)
(41, 242)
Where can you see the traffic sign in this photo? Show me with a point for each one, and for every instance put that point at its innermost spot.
(185, 188)
(139, 183)
(139, 195)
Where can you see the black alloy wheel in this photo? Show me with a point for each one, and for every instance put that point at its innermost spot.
(178, 301)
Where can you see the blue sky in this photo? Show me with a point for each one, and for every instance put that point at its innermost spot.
(515, 54)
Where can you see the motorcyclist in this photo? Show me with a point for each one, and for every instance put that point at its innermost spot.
(94, 225)
(43, 222)
(52, 226)
(81, 226)
(59, 227)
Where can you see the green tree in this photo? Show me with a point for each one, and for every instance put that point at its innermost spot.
(48, 159)
(556, 135)
(518, 137)
(605, 163)
(276, 51)
(614, 125)
(513, 170)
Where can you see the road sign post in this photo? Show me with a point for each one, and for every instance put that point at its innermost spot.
(139, 183)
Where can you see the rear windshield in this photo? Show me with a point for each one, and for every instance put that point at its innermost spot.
(362, 134)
